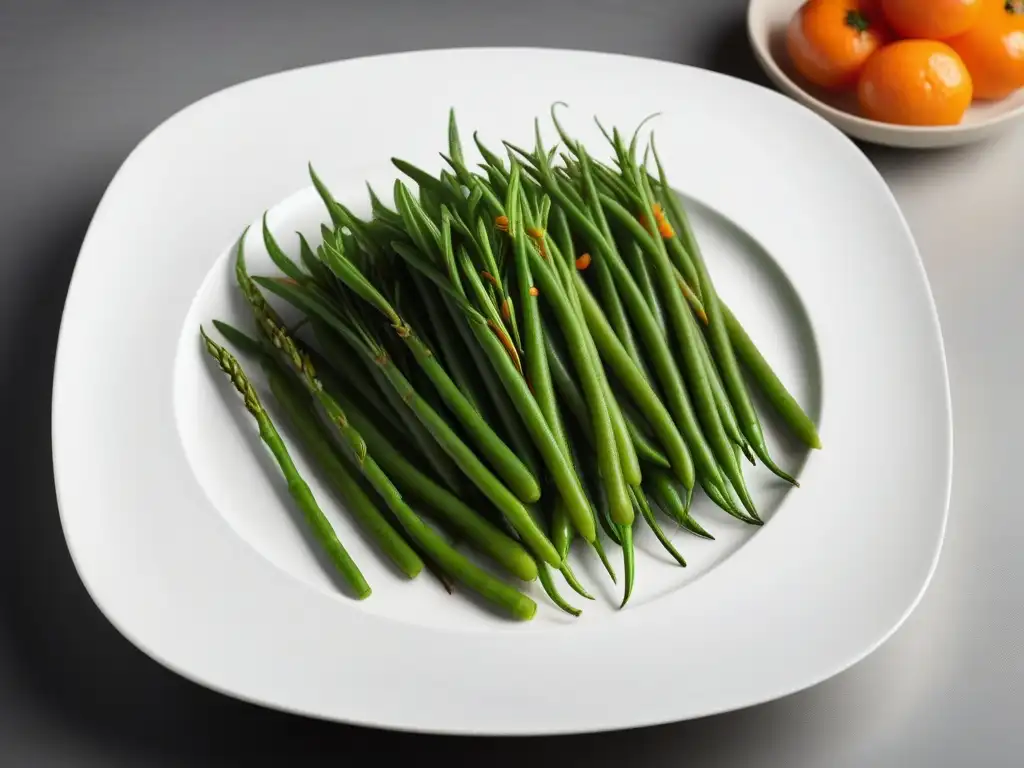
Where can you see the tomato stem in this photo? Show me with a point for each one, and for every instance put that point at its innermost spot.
(859, 21)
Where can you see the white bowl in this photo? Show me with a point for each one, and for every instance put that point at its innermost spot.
(766, 26)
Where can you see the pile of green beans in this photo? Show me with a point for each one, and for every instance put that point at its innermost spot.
(519, 354)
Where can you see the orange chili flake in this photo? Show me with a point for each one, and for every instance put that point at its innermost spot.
(490, 278)
(534, 291)
(507, 343)
(664, 228)
(583, 261)
(501, 223)
(505, 313)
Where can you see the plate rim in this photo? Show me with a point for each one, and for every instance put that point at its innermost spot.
(62, 355)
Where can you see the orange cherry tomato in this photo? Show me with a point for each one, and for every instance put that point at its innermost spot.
(915, 82)
(828, 41)
(993, 49)
(931, 19)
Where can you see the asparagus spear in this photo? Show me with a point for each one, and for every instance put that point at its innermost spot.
(297, 487)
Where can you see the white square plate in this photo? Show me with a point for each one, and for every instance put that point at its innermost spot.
(178, 529)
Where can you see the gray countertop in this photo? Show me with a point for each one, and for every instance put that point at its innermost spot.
(82, 82)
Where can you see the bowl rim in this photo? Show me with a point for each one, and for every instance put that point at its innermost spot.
(779, 75)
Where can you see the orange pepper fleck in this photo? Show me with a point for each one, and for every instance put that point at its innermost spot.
(583, 262)
(664, 228)
(534, 291)
(505, 313)
(507, 343)
(490, 278)
(501, 223)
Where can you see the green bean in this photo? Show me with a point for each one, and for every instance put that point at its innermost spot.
(383, 213)
(603, 556)
(511, 506)
(562, 531)
(421, 177)
(484, 301)
(572, 581)
(296, 406)
(616, 186)
(556, 462)
(435, 547)
(509, 419)
(639, 388)
(321, 276)
(628, 458)
(447, 582)
(396, 430)
(725, 409)
(566, 386)
(674, 211)
(309, 303)
(552, 592)
(449, 345)
(637, 265)
(629, 461)
(451, 560)
(280, 259)
(430, 201)
(562, 235)
(497, 181)
(240, 339)
(570, 393)
(341, 216)
(447, 439)
(686, 336)
(645, 449)
(424, 233)
(508, 466)
(603, 515)
(439, 460)
(337, 217)
(723, 499)
(297, 487)
(490, 158)
(536, 361)
(641, 503)
(593, 389)
(628, 561)
(584, 424)
(483, 242)
(357, 381)
(455, 159)
(661, 358)
(476, 530)
(610, 300)
(667, 497)
(774, 390)
(473, 203)
(750, 424)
